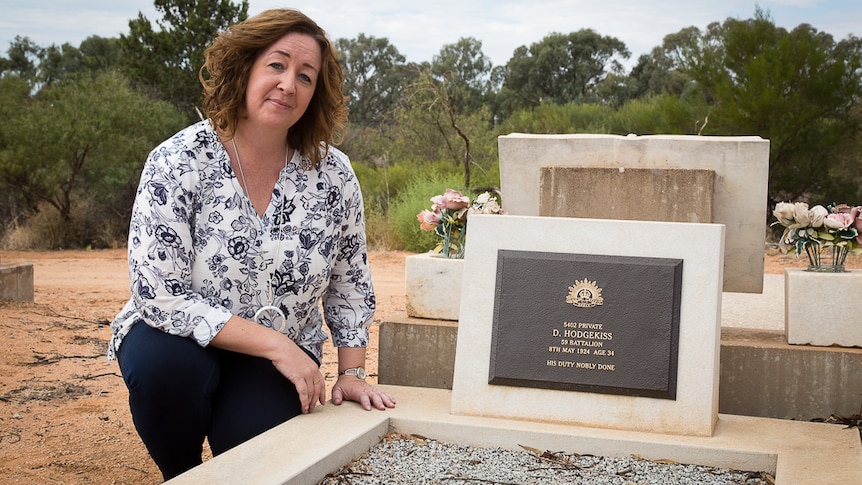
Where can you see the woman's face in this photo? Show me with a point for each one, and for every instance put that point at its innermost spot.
(282, 82)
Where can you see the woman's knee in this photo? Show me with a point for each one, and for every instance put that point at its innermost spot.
(156, 363)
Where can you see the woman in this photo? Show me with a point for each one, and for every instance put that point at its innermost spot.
(244, 227)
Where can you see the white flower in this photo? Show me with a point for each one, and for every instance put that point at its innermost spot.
(817, 214)
(784, 213)
(485, 204)
(483, 198)
(800, 213)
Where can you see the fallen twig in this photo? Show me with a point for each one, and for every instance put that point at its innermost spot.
(479, 480)
(45, 360)
(55, 313)
(16, 437)
(99, 375)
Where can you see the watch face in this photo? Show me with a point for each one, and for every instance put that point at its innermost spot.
(360, 373)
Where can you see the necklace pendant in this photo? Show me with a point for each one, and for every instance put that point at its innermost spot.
(272, 313)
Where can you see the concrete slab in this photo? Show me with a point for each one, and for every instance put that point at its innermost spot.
(417, 352)
(303, 450)
(300, 451)
(762, 311)
(763, 375)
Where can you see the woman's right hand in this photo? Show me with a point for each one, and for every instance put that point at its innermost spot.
(247, 337)
(303, 372)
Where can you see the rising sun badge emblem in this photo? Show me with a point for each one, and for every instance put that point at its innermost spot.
(585, 294)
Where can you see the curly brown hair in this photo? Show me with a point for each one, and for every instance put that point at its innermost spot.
(228, 63)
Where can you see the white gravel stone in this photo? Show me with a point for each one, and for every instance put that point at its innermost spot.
(414, 460)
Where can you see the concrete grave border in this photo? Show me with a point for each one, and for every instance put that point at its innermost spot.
(305, 449)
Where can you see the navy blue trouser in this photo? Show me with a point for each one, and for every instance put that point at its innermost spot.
(180, 393)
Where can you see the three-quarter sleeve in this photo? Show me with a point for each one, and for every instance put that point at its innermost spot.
(162, 252)
(349, 301)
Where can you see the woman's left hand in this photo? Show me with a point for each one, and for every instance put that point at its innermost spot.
(351, 388)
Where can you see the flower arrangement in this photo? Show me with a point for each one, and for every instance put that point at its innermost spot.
(837, 226)
(448, 219)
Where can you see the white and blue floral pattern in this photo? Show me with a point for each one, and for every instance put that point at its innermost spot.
(199, 253)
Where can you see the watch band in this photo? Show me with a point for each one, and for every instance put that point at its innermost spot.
(359, 372)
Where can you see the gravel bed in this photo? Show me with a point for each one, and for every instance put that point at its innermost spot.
(414, 460)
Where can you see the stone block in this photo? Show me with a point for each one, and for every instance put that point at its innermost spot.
(762, 375)
(433, 286)
(417, 352)
(16, 281)
(740, 163)
(635, 194)
(823, 308)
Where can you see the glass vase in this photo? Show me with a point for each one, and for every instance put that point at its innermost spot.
(454, 239)
(826, 260)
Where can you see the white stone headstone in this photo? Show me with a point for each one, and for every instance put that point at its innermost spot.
(694, 410)
(740, 163)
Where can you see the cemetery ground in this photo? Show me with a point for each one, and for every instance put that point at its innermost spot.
(64, 415)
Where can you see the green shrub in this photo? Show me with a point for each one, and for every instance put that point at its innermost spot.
(378, 234)
(374, 186)
(380, 185)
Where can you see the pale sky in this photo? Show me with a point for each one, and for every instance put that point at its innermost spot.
(420, 29)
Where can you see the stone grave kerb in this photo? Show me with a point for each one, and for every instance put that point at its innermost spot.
(694, 409)
(16, 281)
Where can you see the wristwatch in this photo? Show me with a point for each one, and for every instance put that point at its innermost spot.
(359, 372)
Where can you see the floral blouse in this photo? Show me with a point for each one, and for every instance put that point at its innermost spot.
(199, 253)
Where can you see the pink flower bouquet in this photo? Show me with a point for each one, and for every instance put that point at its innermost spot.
(448, 219)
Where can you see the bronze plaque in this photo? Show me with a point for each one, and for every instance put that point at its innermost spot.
(593, 323)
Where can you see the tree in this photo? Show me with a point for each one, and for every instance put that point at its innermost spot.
(374, 74)
(562, 68)
(660, 72)
(168, 60)
(23, 61)
(100, 54)
(57, 62)
(42, 66)
(14, 95)
(431, 127)
(83, 139)
(466, 72)
(27, 72)
(800, 89)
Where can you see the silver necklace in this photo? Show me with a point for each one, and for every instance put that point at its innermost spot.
(273, 311)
